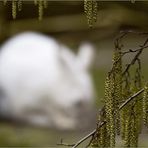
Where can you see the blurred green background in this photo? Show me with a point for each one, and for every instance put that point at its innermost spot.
(66, 21)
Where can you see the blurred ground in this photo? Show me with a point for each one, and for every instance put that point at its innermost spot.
(66, 22)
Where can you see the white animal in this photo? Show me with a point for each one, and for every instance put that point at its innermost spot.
(44, 83)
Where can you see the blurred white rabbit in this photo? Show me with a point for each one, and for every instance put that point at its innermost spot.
(44, 82)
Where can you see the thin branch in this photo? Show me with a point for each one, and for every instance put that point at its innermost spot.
(135, 32)
(83, 139)
(136, 56)
(118, 45)
(132, 51)
(65, 144)
(131, 98)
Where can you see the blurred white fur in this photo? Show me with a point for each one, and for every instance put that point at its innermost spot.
(44, 82)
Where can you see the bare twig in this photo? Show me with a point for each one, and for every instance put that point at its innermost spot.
(83, 139)
(131, 98)
(136, 50)
(118, 45)
(65, 144)
(135, 32)
(136, 56)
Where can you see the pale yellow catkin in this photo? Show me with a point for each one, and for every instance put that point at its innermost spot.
(19, 4)
(117, 72)
(109, 108)
(45, 3)
(145, 105)
(14, 9)
(90, 9)
(127, 134)
(35, 2)
(133, 1)
(5, 2)
(40, 9)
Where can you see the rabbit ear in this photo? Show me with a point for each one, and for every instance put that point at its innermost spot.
(86, 55)
(68, 57)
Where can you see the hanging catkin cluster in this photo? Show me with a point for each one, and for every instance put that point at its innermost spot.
(110, 108)
(5, 2)
(14, 9)
(113, 97)
(117, 74)
(42, 4)
(16, 6)
(133, 1)
(138, 84)
(90, 9)
(101, 137)
(145, 105)
(130, 120)
(131, 135)
(126, 92)
(131, 115)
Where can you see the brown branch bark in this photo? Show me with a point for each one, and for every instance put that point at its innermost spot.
(83, 139)
(136, 56)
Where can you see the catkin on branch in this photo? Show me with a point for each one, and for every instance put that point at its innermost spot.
(90, 9)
